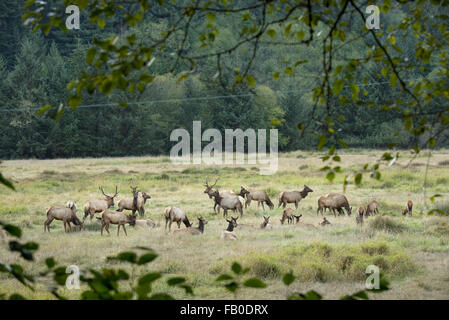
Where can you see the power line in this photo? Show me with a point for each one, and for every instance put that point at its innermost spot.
(192, 98)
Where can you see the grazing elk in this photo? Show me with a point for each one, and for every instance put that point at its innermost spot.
(293, 196)
(96, 206)
(325, 203)
(337, 202)
(359, 217)
(174, 214)
(408, 208)
(137, 203)
(287, 215)
(256, 195)
(193, 230)
(266, 223)
(66, 214)
(324, 222)
(228, 202)
(229, 233)
(372, 208)
(109, 217)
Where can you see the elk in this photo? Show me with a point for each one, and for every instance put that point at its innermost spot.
(193, 230)
(210, 192)
(359, 217)
(325, 203)
(293, 196)
(287, 215)
(324, 222)
(372, 208)
(256, 195)
(337, 202)
(266, 223)
(66, 214)
(96, 206)
(408, 208)
(228, 202)
(116, 217)
(145, 223)
(173, 214)
(229, 233)
(137, 203)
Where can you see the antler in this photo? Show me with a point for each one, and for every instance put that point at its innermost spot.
(101, 189)
(215, 182)
(116, 192)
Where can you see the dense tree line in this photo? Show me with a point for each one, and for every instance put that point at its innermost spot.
(35, 70)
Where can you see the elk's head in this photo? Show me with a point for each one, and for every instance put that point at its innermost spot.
(243, 192)
(145, 196)
(349, 211)
(109, 199)
(307, 189)
(232, 223)
(209, 189)
(132, 219)
(266, 220)
(202, 221)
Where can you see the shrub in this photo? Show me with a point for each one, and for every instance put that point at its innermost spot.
(388, 224)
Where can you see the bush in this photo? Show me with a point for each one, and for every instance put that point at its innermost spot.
(383, 223)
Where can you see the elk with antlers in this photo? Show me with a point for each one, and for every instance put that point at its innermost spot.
(210, 192)
(137, 203)
(96, 206)
(227, 202)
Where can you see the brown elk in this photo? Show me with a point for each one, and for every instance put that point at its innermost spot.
(137, 203)
(66, 214)
(325, 203)
(210, 192)
(293, 196)
(256, 195)
(372, 208)
(287, 215)
(174, 214)
(193, 230)
(324, 222)
(228, 202)
(337, 202)
(359, 217)
(408, 208)
(229, 233)
(266, 223)
(145, 223)
(96, 206)
(109, 217)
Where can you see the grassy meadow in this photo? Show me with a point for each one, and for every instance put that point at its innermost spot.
(412, 252)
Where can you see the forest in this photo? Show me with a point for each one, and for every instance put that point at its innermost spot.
(35, 70)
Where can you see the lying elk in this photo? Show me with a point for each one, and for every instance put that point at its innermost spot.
(116, 217)
(372, 208)
(210, 192)
(229, 233)
(96, 206)
(228, 202)
(145, 223)
(324, 222)
(137, 203)
(266, 223)
(293, 196)
(297, 218)
(256, 195)
(334, 201)
(193, 230)
(408, 208)
(359, 217)
(66, 214)
(173, 214)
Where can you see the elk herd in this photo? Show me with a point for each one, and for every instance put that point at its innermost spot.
(223, 199)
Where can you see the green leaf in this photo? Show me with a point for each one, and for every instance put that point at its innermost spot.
(358, 179)
(90, 55)
(149, 277)
(13, 230)
(74, 101)
(288, 278)
(161, 296)
(125, 256)
(175, 281)
(210, 16)
(254, 283)
(224, 277)
(289, 71)
(393, 79)
(6, 182)
(275, 75)
(337, 86)
(271, 33)
(50, 262)
(182, 77)
(146, 258)
(236, 268)
(250, 80)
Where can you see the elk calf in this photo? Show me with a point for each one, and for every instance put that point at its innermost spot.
(324, 222)
(66, 215)
(193, 230)
(109, 217)
(293, 196)
(408, 208)
(359, 217)
(372, 208)
(145, 223)
(287, 215)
